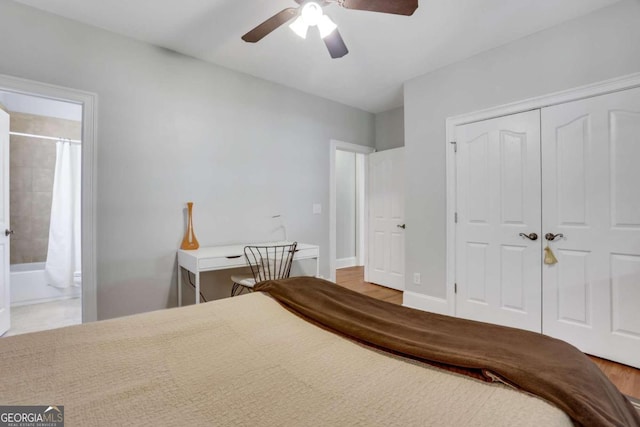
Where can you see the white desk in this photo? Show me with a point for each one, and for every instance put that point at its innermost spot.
(232, 256)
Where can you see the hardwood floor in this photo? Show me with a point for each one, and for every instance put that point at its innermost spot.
(353, 278)
(626, 378)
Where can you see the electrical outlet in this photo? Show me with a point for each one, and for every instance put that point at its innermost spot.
(416, 278)
(317, 208)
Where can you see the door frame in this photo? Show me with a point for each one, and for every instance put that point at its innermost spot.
(89, 102)
(617, 84)
(334, 146)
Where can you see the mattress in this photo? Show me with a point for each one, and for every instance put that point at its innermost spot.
(244, 361)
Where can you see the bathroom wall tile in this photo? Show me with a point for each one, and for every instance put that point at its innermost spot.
(55, 127)
(40, 226)
(41, 203)
(43, 155)
(20, 179)
(20, 251)
(39, 257)
(42, 179)
(21, 203)
(62, 128)
(22, 227)
(32, 146)
(50, 159)
(18, 152)
(40, 247)
(16, 258)
(73, 130)
(35, 124)
(21, 122)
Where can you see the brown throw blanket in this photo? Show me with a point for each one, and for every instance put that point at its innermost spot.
(546, 367)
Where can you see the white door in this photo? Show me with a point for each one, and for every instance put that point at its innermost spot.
(591, 194)
(498, 207)
(5, 295)
(386, 218)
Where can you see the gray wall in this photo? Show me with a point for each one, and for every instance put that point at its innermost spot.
(345, 204)
(595, 47)
(173, 129)
(390, 129)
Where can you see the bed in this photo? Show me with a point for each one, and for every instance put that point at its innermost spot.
(269, 358)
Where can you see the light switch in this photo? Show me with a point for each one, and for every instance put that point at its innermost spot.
(317, 208)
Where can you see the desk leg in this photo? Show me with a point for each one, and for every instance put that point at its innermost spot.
(179, 286)
(197, 275)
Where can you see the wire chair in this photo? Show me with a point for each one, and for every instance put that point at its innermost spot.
(267, 263)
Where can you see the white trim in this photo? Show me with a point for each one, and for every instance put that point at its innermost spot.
(361, 211)
(451, 225)
(346, 262)
(334, 146)
(89, 102)
(425, 302)
(588, 91)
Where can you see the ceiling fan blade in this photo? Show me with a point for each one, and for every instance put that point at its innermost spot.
(335, 44)
(397, 7)
(280, 18)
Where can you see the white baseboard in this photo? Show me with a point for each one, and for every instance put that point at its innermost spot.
(425, 303)
(346, 262)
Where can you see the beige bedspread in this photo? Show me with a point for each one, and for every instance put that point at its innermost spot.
(546, 367)
(243, 361)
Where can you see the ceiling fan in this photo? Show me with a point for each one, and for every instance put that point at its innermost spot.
(309, 14)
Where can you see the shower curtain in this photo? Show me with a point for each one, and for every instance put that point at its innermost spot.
(63, 266)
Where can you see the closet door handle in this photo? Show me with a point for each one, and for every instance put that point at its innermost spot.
(8, 232)
(403, 226)
(530, 236)
(551, 237)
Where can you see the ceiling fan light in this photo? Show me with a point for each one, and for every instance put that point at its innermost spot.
(326, 26)
(311, 13)
(299, 27)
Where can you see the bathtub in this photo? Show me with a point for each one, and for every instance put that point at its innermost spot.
(29, 286)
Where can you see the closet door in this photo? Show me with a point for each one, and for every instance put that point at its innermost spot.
(498, 258)
(591, 195)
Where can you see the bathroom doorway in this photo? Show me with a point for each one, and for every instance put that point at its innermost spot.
(45, 220)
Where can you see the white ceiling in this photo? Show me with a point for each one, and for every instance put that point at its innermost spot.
(385, 50)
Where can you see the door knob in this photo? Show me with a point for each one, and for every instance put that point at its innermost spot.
(403, 226)
(8, 232)
(530, 236)
(551, 237)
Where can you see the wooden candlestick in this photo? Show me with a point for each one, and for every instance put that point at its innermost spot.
(189, 242)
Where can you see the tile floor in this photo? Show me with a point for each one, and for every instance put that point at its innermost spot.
(44, 316)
